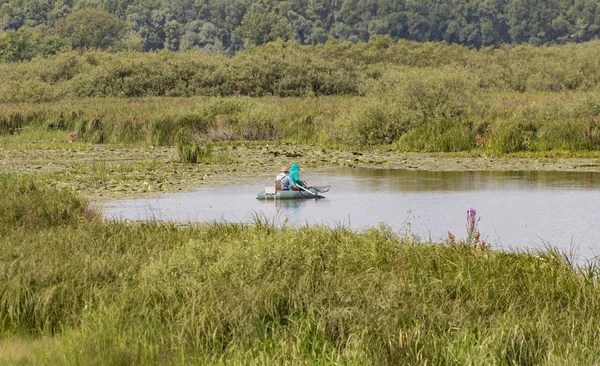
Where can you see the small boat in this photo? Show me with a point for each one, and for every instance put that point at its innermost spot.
(269, 193)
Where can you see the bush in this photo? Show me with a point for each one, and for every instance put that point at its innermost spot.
(374, 122)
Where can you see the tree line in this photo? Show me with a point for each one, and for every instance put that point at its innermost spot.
(30, 28)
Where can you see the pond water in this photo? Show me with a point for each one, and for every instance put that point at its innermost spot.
(518, 210)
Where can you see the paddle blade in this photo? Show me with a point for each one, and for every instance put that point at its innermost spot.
(317, 195)
(322, 189)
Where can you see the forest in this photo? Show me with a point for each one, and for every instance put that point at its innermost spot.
(30, 28)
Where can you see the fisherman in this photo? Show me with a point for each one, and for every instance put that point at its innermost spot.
(287, 184)
(282, 174)
(295, 177)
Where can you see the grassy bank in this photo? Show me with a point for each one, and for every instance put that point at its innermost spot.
(441, 113)
(76, 289)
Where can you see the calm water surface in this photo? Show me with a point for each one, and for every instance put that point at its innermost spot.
(518, 210)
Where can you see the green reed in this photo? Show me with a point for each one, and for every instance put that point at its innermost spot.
(195, 153)
(492, 123)
(26, 203)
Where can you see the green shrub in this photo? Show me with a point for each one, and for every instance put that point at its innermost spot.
(437, 94)
(435, 78)
(375, 123)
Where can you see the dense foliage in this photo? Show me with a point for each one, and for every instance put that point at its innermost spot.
(414, 96)
(26, 203)
(231, 25)
(289, 69)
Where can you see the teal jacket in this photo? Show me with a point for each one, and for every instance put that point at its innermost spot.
(294, 170)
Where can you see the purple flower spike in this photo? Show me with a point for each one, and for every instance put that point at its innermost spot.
(472, 221)
(89, 213)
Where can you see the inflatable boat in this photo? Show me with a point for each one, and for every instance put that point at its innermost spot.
(269, 193)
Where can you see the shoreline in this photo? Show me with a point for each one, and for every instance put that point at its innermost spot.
(104, 172)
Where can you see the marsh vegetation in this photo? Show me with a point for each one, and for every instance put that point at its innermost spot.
(404, 96)
(121, 292)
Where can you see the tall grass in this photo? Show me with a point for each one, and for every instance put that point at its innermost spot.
(27, 204)
(167, 121)
(491, 123)
(117, 292)
(194, 153)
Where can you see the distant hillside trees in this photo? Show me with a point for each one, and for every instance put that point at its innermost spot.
(260, 27)
(228, 26)
(27, 43)
(92, 28)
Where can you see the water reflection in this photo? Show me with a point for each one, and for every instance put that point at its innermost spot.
(291, 207)
(518, 209)
(409, 181)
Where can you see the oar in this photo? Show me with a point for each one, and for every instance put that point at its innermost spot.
(322, 189)
(316, 195)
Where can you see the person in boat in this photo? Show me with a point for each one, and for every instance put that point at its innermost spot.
(295, 177)
(282, 174)
(287, 184)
